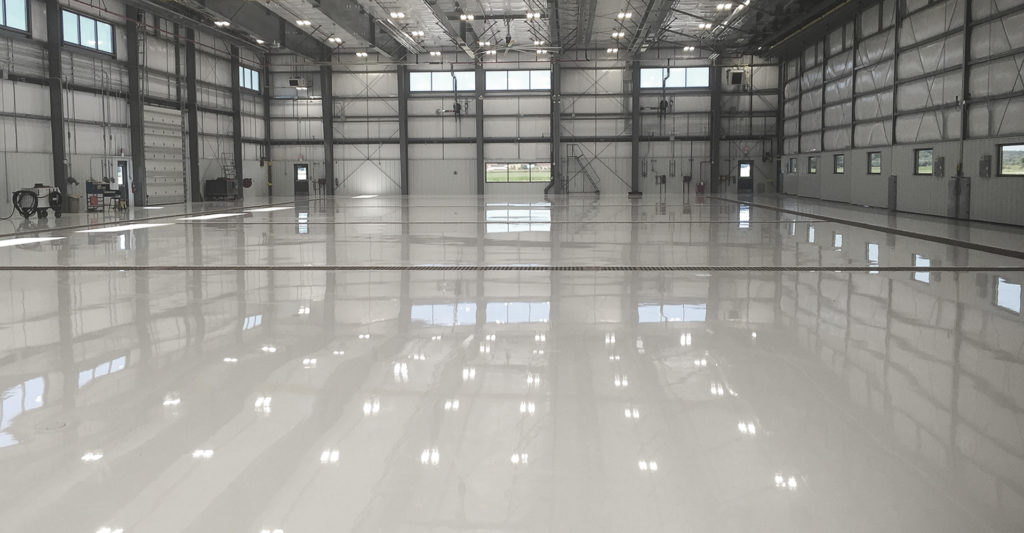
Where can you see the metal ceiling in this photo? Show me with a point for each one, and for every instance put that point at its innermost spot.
(404, 28)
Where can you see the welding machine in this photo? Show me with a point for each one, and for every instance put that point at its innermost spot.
(37, 200)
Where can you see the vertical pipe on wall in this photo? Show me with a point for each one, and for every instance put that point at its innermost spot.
(236, 116)
(716, 127)
(556, 127)
(56, 73)
(192, 110)
(479, 92)
(327, 115)
(403, 127)
(135, 115)
(635, 127)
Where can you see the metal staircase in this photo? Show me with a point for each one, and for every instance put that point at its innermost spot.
(579, 178)
(227, 166)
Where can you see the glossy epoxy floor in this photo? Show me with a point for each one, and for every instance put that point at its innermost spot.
(348, 365)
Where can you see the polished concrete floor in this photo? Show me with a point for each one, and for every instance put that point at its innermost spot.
(578, 364)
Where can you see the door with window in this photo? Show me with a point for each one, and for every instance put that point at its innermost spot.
(745, 179)
(302, 179)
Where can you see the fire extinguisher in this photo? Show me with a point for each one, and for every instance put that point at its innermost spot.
(700, 187)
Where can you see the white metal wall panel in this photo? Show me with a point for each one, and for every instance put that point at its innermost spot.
(876, 105)
(873, 134)
(838, 115)
(998, 77)
(999, 36)
(930, 22)
(928, 126)
(997, 118)
(875, 78)
(839, 90)
(929, 92)
(876, 48)
(836, 139)
(932, 57)
(165, 169)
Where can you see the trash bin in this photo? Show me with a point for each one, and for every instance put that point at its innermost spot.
(72, 204)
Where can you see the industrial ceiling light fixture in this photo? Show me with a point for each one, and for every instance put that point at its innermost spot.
(435, 53)
(303, 23)
(259, 41)
(466, 18)
(491, 52)
(397, 15)
(361, 54)
(704, 25)
(613, 50)
(531, 16)
(542, 52)
(221, 23)
(688, 48)
(484, 43)
(722, 7)
(416, 33)
(618, 34)
(623, 15)
(538, 43)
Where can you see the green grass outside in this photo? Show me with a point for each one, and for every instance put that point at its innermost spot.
(519, 176)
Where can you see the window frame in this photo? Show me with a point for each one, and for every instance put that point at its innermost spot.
(917, 161)
(839, 163)
(794, 166)
(96, 22)
(430, 75)
(508, 171)
(685, 75)
(530, 76)
(879, 172)
(999, 160)
(28, 19)
(812, 164)
(242, 69)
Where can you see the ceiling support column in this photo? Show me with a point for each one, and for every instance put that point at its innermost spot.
(403, 127)
(56, 73)
(556, 127)
(481, 167)
(327, 112)
(192, 111)
(635, 127)
(267, 160)
(236, 118)
(135, 114)
(716, 128)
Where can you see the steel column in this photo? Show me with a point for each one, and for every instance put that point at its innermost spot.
(268, 161)
(236, 117)
(192, 110)
(635, 127)
(780, 134)
(403, 126)
(135, 115)
(481, 168)
(327, 116)
(56, 74)
(716, 128)
(556, 127)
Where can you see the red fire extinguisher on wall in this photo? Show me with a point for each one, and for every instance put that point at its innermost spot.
(700, 187)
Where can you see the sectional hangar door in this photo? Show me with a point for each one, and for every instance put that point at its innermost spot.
(164, 148)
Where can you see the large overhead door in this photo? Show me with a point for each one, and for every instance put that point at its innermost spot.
(165, 150)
